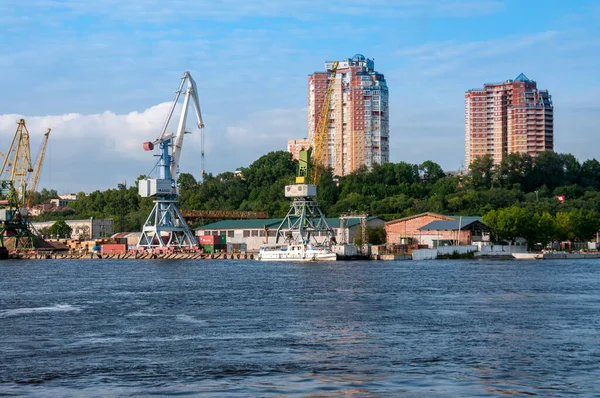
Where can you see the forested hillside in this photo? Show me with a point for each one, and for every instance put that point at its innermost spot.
(390, 191)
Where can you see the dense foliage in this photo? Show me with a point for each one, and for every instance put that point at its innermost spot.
(60, 229)
(390, 191)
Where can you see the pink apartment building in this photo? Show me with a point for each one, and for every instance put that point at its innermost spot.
(508, 117)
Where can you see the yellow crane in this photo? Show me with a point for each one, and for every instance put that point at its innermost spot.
(34, 177)
(17, 161)
(320, 138)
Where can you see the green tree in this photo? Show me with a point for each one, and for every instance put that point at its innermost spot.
(432, 172)
(482, 172)
(515, 168)
(376, 235)
(564, 227)
(549, 170)
(60, 229)
(186, 181)
(546, 229)
(590, 174)
(510, 223)
(584, 224)
(44, 232)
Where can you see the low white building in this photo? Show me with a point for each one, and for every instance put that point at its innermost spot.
(255, 233)
(91, 228)
(68, 196)
(58, 202)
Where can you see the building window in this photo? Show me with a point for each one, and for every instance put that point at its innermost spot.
(254, 232)
(246, 233)
(230, 234)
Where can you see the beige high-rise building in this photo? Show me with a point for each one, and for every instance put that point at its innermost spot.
(359, 115)
(508, 117)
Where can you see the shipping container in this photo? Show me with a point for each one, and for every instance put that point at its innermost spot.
(209, 240)
(113, 248)
(214, 248)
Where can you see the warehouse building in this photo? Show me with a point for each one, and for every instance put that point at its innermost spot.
(255, 233)
(437, 230)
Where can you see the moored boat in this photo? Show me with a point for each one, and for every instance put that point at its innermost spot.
(295, 252)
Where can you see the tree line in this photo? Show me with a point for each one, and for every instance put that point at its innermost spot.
(390, 191)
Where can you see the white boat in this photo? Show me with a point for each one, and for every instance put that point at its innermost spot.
(295, 252)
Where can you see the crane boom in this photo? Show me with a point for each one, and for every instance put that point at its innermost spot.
(190, 91)
(34, 178)
(322, 129)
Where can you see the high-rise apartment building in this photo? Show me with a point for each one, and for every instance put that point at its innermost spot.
(359, 115)
(508, 117)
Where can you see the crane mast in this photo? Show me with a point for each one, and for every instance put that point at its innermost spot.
(322, 129)
(34, 178)
(165, 227)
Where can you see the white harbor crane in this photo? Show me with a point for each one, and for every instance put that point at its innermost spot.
(165, 226)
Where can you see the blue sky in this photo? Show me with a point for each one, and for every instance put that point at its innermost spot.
(101, 74)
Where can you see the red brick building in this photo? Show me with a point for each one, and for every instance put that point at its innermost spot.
(436, 230)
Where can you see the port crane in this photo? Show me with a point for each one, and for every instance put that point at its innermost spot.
(305, 221)
(17, 162)
(165, 227)
(14, 169)
(34, 177)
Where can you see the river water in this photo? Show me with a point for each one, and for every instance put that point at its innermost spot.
(249, 329)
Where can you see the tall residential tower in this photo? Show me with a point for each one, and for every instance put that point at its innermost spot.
(508, 117)
(359, 114)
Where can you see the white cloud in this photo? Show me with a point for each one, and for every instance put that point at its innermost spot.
(119, 133)
(96, 151)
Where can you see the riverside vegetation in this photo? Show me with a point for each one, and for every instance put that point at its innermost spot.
(519, 197)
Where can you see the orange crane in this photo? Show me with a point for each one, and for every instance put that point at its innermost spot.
(17, 161)
(34, 177)
(320, 138)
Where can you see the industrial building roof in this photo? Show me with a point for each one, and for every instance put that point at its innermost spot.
(450, 225)
(465, 219)
(270, 223)
(240, 224)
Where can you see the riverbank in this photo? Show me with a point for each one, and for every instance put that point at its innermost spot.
(555, 256)
(135, 256)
